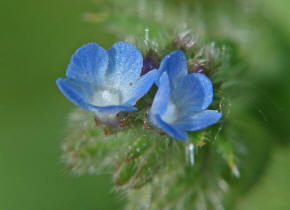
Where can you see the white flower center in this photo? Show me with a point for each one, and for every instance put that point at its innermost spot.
(171, 113)
(106, 97)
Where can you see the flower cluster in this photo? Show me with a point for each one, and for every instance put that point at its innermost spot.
(108, 82)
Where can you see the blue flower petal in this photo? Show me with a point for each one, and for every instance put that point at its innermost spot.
(161, 98)
(88, 63)
(140, 87)
(106, 82)
(194, 93)
(199, 120)
(125, 63)
(175, 65)
(76, 93)
(180, 102)
(159, 107)
(112, 109)
(79, 96)
(174, 132)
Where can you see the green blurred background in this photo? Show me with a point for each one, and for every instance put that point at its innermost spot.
(37, 39)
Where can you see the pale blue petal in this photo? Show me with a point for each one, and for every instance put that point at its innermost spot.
(78, 94)
(88, 63)
(161, 98)
(169, 129)
(74, 92)
(139, 88)
(175, 65)
(194, 93)
(125, 63)
(199, 120)
(114, 109)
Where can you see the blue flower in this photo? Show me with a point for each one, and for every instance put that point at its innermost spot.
(106, 82)
(181, 101)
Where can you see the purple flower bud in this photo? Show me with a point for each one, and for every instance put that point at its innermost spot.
(149, 64)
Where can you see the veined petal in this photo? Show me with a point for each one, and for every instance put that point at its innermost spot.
(140, 87)
(161, 98)
(125, 63)
(194, 93)
(88, 64)
(172, 131)
(175, 65)
(76, 93)
(199, 120)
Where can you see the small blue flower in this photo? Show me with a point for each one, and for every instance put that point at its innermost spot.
(181, 101)
(106, 82)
